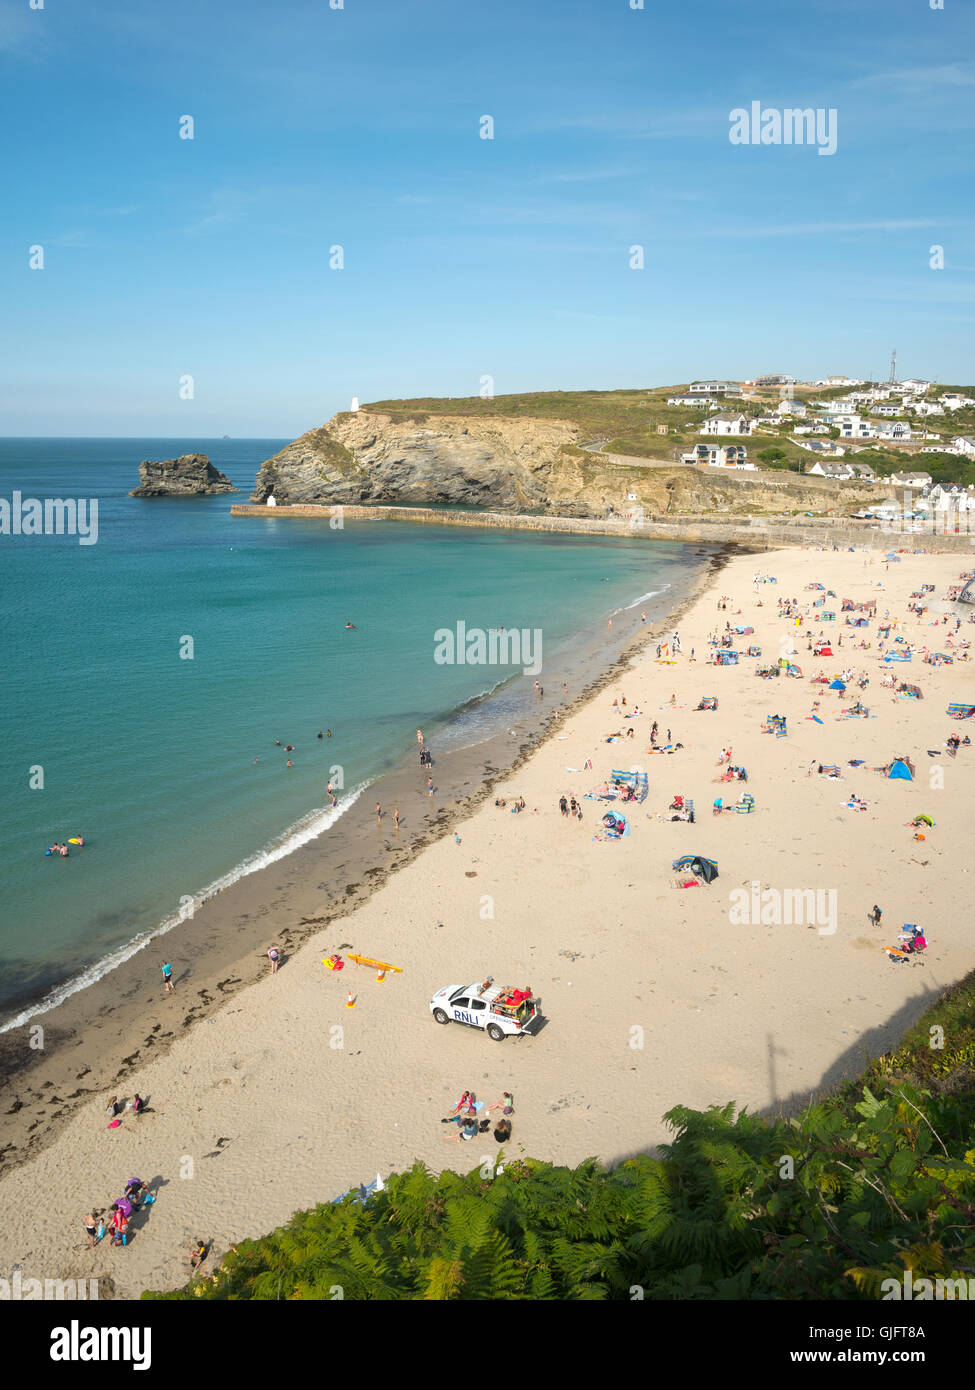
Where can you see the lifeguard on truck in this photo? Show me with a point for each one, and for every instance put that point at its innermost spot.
(502, 1011)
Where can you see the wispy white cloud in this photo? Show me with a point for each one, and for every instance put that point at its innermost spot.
(587, 176)
(929, 78)
(79, 240)
(223, 208)
(21, 28)
(687, 123)
(905, 224)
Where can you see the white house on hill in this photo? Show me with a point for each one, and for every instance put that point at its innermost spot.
(853, 427)
(734, 456)
(822, 448)
(894, 429)
(725, 422)
(713, 388)
(964, 444)
(838, 472)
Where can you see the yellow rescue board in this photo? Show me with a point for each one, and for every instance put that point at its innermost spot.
(376, 964)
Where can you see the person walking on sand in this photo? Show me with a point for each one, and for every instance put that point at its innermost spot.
(396, 817)
(419, 737)
(274, 957)
(379, 813)
(430, 787)
(875, 915)
(91, 1227)
(167, 971)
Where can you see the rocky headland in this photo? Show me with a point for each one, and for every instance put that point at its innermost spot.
(525, 465)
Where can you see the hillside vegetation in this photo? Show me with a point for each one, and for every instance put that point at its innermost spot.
(876, 1179)
(627, 421)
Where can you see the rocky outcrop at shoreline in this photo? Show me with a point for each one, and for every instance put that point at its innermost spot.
(191, 475)
(516, 465)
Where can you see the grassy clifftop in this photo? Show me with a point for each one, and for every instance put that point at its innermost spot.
(628, 422)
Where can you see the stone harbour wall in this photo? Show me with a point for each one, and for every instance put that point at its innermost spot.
(752, 536)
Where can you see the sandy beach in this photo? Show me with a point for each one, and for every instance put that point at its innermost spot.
(653, 995)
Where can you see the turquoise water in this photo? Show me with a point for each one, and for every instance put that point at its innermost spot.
(150, 756)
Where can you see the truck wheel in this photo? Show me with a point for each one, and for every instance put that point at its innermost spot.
(440, 1016)
(495, 1033)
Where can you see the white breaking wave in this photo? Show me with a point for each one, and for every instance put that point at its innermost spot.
(312, 825)
(644, 597)
(625, 608)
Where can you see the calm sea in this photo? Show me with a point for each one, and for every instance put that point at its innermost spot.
(110, 730)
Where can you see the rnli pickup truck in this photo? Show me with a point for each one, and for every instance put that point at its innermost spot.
(501, 1012)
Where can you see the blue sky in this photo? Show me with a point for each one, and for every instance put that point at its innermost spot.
(466, 257)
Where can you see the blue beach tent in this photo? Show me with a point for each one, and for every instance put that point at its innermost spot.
(900, 769)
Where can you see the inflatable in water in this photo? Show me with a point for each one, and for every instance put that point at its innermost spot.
(76, 840)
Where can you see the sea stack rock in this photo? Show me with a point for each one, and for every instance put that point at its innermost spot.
(192, 475)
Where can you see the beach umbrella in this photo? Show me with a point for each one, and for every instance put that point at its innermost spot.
(124, 1206)
(926, 819)
(837, 685)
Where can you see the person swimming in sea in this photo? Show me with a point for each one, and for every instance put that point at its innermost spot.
(350, 625)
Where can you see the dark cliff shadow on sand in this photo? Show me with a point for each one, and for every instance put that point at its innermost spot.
(848, 1065)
